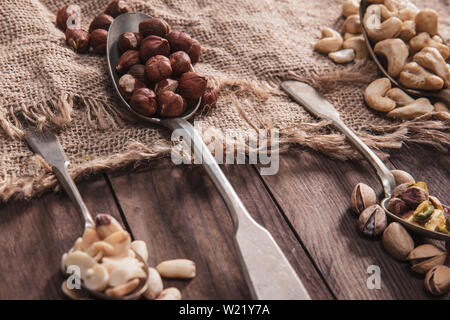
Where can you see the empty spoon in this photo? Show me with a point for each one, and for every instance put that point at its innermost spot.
(442, 95)
(266, 269)
(47, 145)
(315, 103)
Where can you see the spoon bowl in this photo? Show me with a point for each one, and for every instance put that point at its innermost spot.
(442, 95)
(123, 23)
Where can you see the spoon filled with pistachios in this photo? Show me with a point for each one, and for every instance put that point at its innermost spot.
(410, 203)
(405, 45)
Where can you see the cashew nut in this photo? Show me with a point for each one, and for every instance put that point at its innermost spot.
(342, 56)
(406, 10)
(352, 24)
(125, 272)
(427, 20)
(331, 41)
(121, 241)
(441, 107)
(80, 259)
(100, 249)
(375, 95)
(415, 77)
(170, 294)
(89, 237)
(155, 285)
(106, 225)
(377, 30)
(408, 30)
(399, 96)
(141, 248)
(177, 268)
(413, 110)
(443, 112)
(396, 52)
(96, 278)
(350, 7)
(431, 59)
(122, 289)
(423, 40)
(112, 263)
(349, 35)
(359, 45)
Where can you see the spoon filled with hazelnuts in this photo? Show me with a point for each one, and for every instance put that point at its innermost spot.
(151, 68)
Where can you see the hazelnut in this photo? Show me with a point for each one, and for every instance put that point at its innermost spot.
(102, 21)
(127, 60)
(127, 85)
(62, 17)
(209, 98)
(166, 85)
(138, 70)
(157, 68)
(154, 27)
(180, 62)
(129, 41)
(152, 46)
(192, 85)
(194, 51)
(179, 41)
(78, 39)
(117, 7)
(98, 40)
(171, 104)
(144, 101)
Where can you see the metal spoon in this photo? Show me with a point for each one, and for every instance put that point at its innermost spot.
(443, 94)
(47, 145)
(315, 103)
(267, 271)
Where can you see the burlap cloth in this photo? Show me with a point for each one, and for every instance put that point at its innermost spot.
(248, 46)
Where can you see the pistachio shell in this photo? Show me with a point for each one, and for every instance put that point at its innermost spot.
(372, 221)
(425, 257)
(437, 280)
(402, 177)
(397, 241)
(363, 197)
(398, 191)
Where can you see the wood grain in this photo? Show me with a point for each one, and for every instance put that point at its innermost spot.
(179, 213)
(313, 192)
(34, 235)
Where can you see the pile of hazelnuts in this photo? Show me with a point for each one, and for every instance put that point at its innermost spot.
(155, 64)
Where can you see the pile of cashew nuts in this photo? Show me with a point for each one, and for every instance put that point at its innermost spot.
(107, 261)
(408, 39)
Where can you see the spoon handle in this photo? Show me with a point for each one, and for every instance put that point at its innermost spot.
(47, 145)
(267, 271)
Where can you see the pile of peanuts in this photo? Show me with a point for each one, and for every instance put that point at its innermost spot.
(155, 64)
(407, 39)
(109, 262)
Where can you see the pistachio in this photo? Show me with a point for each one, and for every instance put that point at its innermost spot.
(363, 197)
(397, 206)
(447, 217)
(397, 241)
(398, 191)
(372, 221)
(402, 177)
(437, 280)
(423, 211)
(425, 257)
(414, 195)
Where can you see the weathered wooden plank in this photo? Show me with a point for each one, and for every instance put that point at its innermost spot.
(34, 235)
(314, 191)
(179, 213)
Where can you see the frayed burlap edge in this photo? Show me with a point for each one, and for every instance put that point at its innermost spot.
(57, 112)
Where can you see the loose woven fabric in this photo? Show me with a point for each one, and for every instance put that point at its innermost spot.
(248, 48)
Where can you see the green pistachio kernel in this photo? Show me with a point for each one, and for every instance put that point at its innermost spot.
(423, 211)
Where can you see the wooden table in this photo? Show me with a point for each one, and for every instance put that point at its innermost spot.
(179, 213)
